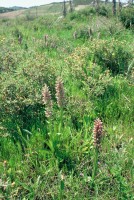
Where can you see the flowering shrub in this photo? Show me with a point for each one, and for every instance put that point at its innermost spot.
(111, 54)
(20, 96)
(91, 75)
(76, 62)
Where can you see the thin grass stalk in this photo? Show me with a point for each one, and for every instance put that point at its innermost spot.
(47, 100)
(60, 96)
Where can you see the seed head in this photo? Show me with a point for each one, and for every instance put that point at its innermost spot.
(5, 163)
(46, 95)
(60, 95)
(47, 101)
(48, 110)
(97, 132)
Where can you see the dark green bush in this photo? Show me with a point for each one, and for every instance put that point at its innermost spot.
(127, 17)
(102, 11)
(74, 15)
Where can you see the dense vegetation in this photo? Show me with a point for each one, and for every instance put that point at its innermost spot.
(67, 107)
(14, 8)
(3, 9)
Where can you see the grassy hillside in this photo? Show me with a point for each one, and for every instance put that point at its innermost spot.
(82, 2)
(54, 8)
(67, 106)
(47, 9)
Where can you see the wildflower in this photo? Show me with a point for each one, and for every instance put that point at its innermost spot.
(62, 177)
(5, 163)
(97, 132)
(46, 94)
(13, 184)
(60, 96)
(47, 101)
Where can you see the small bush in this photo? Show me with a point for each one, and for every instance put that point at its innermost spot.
(127, 17)
(102, 11)
(67, 26)
(30, 17)
(80, 15)
(112, 55)
(83, 32)
(87, 12)
(90, 74)
(20, 98)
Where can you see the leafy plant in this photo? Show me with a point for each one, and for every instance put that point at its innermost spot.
(127, 17)
(112, 55)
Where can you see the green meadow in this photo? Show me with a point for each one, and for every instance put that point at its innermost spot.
(67, 106)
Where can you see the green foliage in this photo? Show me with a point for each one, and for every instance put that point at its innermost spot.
(82, 14)
(21, 93)
(111, 54)
(90, 11)
(127, 17)
(102, 11)
(82, 33)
